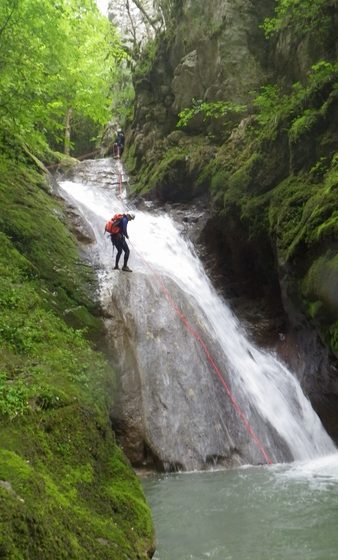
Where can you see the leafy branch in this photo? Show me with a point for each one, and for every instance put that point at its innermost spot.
(209, 110)
(304, 16)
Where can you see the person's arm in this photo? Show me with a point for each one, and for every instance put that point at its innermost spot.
(124, 227)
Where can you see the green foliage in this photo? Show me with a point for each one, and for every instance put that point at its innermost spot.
(304, 16)
(123, 99)
(303, 124)
(54, 56)
(209, 110)
(146, 60)
(322, 72)
(41, 357)
(13, 396)
(65, 489)
(268, 103)
(273, 105)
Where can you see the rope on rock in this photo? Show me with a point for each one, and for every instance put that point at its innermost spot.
(211, 361)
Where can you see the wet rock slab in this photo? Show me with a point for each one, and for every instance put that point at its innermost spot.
(171, 410)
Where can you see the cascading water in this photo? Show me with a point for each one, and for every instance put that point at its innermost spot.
(269, 396)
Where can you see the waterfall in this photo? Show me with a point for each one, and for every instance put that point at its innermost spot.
(269, 395)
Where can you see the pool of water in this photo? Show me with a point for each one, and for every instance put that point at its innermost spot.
(284, 512)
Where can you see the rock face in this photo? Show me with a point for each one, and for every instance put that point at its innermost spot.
(271, 194)
(218, 52)
(163, 415)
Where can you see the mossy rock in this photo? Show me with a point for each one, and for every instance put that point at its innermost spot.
(66, 491)
(320, 285)
(176, 176)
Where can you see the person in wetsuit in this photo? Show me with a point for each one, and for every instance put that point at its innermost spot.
(119, 241)
(120, 142)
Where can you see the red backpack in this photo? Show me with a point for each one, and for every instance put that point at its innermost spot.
(113, 225)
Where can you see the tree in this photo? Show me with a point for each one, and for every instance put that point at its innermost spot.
(303, 15)
(57, 64)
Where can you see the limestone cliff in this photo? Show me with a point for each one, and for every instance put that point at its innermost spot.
(217, 51)
(269, 173)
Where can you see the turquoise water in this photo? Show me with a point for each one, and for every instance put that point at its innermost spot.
(284, 512)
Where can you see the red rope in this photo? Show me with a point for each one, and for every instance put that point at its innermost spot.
(120, 183)
(213, 364)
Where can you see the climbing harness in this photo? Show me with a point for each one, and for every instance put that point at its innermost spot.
(211, 361)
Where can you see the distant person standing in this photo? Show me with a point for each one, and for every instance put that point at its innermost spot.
(120, 142)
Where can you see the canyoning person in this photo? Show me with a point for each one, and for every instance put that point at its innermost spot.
(118, 240)
(119, 142)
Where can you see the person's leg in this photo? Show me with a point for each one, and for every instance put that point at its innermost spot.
(118, 254)
(119, 246)
(126, 252)
(126, 256)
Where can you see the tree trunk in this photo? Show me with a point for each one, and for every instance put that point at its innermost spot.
(68, 121)
(147, 17)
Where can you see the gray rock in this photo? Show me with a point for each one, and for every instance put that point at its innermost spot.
(162, 413)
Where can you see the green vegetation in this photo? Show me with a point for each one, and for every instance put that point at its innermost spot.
(303, 16)
(58, 62)
(178, 175)
(146, 59)
(89, 505)
(209, 110)
(64, 485)
(283, 186)
(66, 490)
(303, 104)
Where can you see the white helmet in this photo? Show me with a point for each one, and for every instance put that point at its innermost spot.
(130, 216)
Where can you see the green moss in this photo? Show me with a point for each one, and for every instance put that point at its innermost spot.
(176, 174)
(314, 309)
(34, 223)
(146, 60)
(167, 170)
(303, 124)
(88, 505)
(321, 283)
(66, 491)
(333, 337)
(286, 214)
(130, 160)
(218, 182)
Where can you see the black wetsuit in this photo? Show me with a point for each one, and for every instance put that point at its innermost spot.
(120, 142)
(119, 241)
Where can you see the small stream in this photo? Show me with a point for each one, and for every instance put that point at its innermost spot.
(283, 512)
